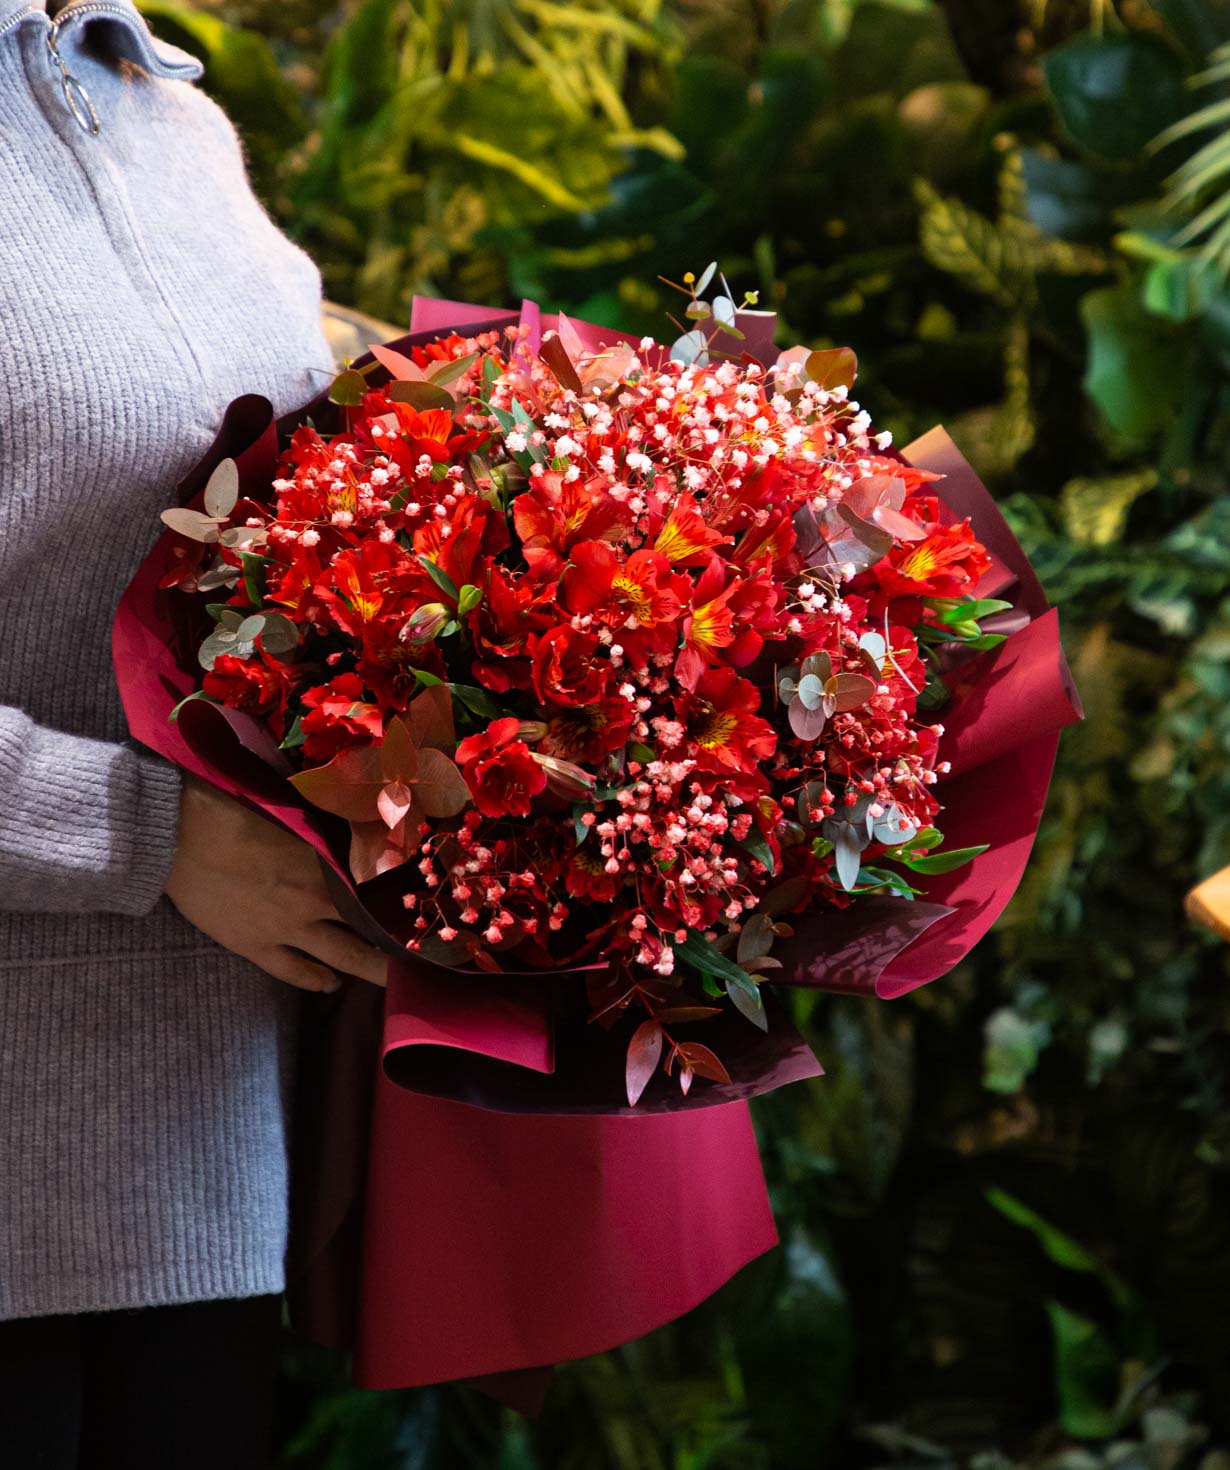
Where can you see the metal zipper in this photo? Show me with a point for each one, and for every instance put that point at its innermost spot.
(76, 98)
(20, 15)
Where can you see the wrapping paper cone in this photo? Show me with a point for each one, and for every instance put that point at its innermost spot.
(496, 1242)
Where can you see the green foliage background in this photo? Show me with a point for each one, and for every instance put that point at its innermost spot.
(1005, 1209)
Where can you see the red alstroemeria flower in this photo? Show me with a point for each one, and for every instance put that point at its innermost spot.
(252, 685)
(720, 718)
(388, 662)
(566, 669)
(294, 586)
(443, 349)
(502, 773)
(338, 716)
(686, 538)
(588, 734)
(640, 600)
(368, 583)
(477, 532)
(768, 545)
(948, 562)
(555, 514)
(512, 610)
(426, 431)
(587, 876)
(709, 627)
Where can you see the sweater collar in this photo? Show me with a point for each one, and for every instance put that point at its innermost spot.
(122, 32)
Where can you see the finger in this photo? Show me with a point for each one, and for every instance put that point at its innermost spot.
(342, 949)
(303, 882)
(299, 970)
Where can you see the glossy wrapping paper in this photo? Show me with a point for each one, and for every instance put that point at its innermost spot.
(472, 1197)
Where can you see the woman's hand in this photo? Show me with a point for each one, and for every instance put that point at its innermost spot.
(260, 893)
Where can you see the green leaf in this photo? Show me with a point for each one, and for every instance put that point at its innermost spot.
(747, 999)
(756, 843)
(580, 831)
(440, 577)
(347, 389)
(294, 737)
(253, 565)
(941, 862)
(1095, 510)
(1137, 370)
(697, 952)
(422, 396)
(196, 694)
(965, 244)
(968, 610)
(449, 372)
(1059, 1247)
(1113, 92)
(1087, 1374)
(477, 701)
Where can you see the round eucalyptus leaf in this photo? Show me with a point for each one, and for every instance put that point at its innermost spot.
(251, 627)
(190, 523)
(220, 641)
(691, 349)
(248, 536)
(280, 635)
(222, 490)
(221, 574)
(705, 277)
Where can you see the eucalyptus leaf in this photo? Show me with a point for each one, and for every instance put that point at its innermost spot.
(422, 395)
(190, 523)
(222, 490)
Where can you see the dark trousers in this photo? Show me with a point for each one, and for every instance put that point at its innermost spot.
(163, 1388)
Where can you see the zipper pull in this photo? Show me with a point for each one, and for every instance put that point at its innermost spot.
(76, 98)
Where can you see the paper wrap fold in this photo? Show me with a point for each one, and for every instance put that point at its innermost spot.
(513, 1210)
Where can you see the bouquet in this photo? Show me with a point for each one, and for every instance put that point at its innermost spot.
(610, 681)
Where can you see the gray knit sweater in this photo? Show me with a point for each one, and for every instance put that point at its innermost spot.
(142, 286)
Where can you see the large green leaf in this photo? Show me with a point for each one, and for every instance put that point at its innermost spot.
(1115, 92)
(1137, 366)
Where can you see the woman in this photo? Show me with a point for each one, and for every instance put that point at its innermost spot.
(143, 1070)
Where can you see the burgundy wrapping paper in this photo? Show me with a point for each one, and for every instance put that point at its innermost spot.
(498, 1242)
(511, 1213)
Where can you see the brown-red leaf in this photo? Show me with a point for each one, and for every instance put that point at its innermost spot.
(700, 1059)
(643, 1052)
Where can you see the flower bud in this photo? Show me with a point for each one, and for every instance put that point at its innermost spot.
(532, 731)
(566, 780)
(468, 599)
(425, 623)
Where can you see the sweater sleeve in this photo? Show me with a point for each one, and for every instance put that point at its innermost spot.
(85, 825)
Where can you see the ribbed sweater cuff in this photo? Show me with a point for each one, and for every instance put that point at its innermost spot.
(156, 834)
